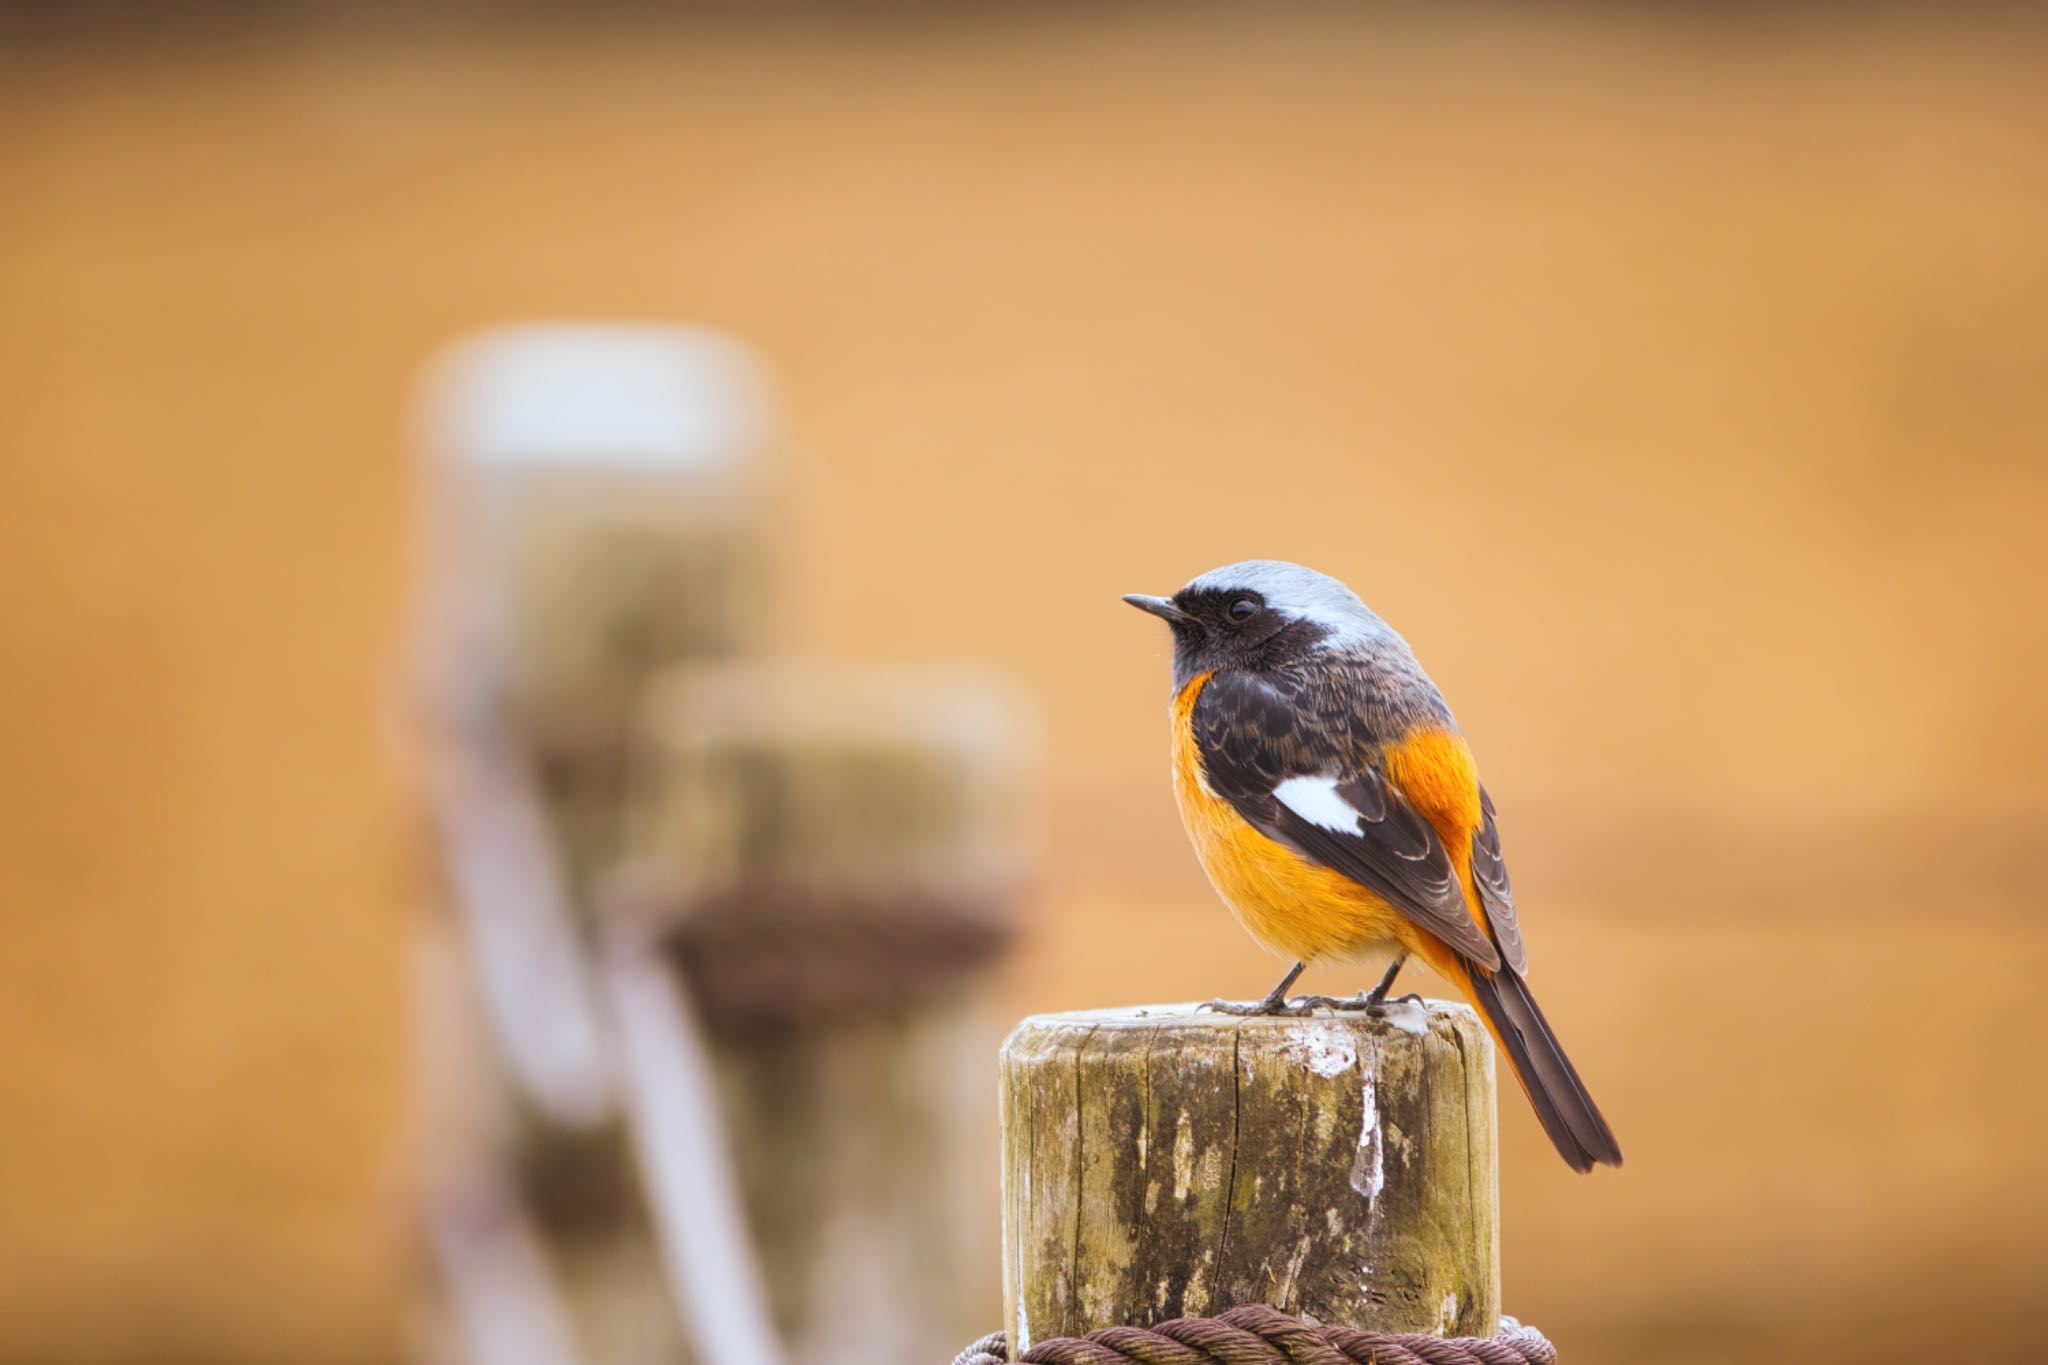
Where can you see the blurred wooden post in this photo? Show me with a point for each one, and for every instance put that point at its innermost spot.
(827, 850)
(593, 524)
(1162, 1162)
(590, 526)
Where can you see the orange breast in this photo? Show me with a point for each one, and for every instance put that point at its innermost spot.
(1293, 907)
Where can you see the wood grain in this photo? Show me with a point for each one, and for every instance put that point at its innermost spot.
(1161, 1161)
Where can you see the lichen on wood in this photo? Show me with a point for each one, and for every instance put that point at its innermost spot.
(1162, 1161)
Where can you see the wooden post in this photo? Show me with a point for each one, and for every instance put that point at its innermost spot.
(1159, 1162)
(827, 848)
(591, 525)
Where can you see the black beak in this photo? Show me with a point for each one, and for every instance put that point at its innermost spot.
(1162, 607)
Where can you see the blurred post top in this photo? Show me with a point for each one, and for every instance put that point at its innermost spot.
(593, 394)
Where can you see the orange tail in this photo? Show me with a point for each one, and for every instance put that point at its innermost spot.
(1548, 1077)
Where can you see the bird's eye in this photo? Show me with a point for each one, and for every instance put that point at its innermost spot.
(1243, 609)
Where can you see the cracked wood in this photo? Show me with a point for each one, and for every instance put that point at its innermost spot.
(1162, 1162)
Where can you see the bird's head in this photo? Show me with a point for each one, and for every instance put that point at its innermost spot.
(1258, 615)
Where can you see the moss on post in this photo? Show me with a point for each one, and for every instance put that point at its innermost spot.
(1159, 1162)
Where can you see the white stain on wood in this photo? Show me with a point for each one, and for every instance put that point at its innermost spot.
(1325, 1049)
(1369, 1171)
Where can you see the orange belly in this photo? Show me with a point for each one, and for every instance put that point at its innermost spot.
(1295, 908)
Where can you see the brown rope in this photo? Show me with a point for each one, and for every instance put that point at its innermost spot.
(1256, 1334)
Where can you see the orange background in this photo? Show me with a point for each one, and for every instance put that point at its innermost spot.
(1673, 381)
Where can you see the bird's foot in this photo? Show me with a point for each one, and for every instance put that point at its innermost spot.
(1370, 1003)
(1325, 1002)
(1271, 1006)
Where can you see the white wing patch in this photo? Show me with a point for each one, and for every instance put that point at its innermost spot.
(1315, 800)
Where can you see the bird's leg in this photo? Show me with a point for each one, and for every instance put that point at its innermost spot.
(1274, 1003)
(1372, 1001)
(1377, 996)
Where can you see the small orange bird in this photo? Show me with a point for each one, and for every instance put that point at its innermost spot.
(1338, 812)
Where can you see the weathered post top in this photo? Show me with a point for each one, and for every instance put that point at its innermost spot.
(1161, 1161)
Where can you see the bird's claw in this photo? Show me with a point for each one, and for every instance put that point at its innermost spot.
(1372, 1003)
(1365, 1002)
(1271, 1006)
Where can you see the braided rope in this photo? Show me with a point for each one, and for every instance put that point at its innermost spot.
(1256, 1334)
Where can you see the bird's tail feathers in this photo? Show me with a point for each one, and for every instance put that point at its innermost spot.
(1567, 1112)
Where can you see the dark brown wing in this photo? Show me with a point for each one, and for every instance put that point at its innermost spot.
(1490, 879)
(1300, 784)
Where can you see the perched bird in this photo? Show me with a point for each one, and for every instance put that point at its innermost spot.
(1338, 812)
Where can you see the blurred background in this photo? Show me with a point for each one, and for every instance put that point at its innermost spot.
(1670, 376)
